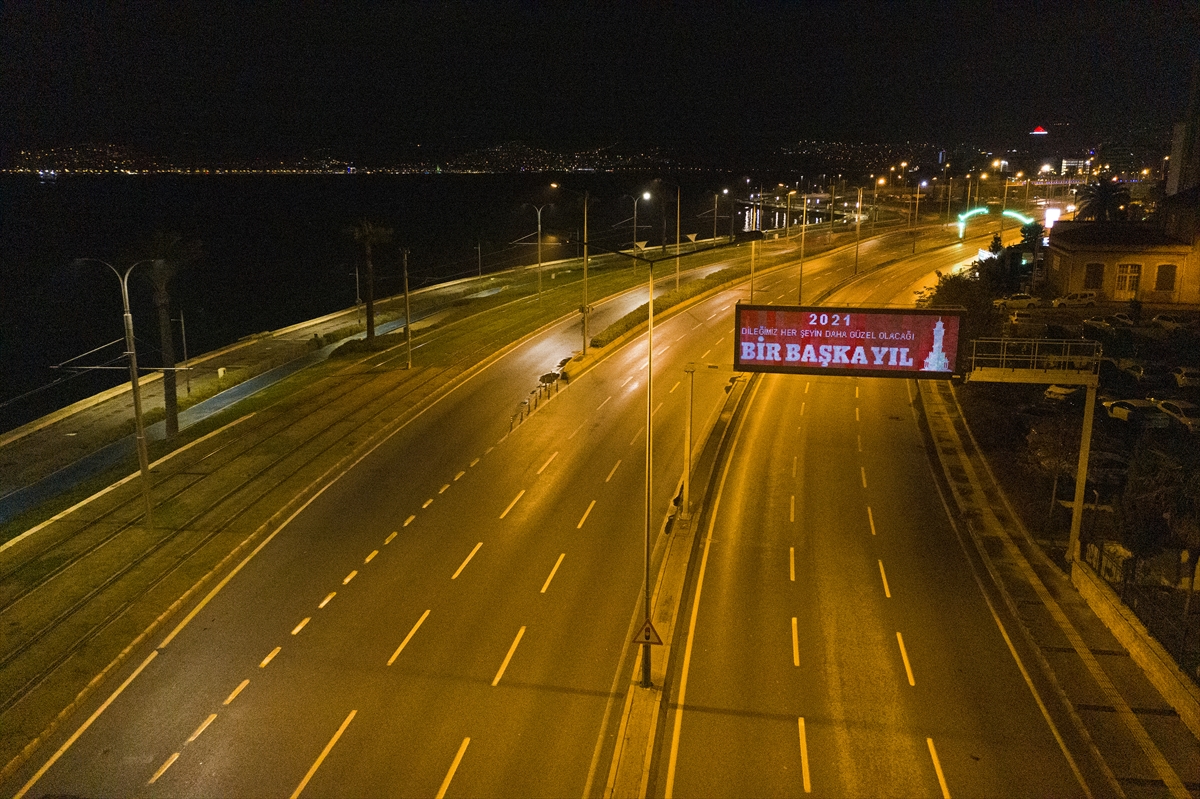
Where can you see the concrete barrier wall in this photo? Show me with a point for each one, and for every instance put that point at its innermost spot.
(1160, 668)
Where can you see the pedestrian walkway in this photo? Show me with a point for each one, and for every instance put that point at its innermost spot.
(49, 456)
(1138, 740)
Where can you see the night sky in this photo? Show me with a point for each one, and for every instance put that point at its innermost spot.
(371, 80)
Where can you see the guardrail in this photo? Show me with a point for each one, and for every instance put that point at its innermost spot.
(1036, 354)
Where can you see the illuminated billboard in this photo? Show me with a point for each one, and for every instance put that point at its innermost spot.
(867, 342)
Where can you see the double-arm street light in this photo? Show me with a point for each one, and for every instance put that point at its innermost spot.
(585, 309)
(716, 197)
(131, 352)
(539, 208)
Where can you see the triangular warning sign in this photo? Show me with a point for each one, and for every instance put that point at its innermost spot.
(648, 635)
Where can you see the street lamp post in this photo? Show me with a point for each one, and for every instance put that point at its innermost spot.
(678, 193)
(584, 309)
(857, 228)
(131, 351)
(187, 372)
(539, 208)
(803, 232)
(646, 676)
(407, 313)
(685, 508)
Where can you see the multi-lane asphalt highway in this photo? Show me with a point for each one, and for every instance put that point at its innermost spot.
(452, 616)
(841, 644)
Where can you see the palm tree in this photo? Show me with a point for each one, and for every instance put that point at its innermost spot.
(1103, 201)
(167, 252)
(370, 235)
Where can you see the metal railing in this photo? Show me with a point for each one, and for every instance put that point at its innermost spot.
(1045, 355)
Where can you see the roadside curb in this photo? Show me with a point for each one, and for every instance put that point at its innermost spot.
(641, 726)
(274, 524)
(1017, 567)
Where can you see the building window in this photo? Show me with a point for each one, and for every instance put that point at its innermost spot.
(1093, 276)
(1128, 277)
(1164, 278)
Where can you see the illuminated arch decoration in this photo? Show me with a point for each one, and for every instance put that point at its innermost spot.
(1011, 214)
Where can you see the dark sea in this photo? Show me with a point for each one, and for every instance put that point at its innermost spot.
(275, 251)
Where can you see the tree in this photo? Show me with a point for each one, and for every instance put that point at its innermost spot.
(1145, 503)
(1103, 201)
(1032, 233)
(1054, 451)
(370, 235)
(167, 252)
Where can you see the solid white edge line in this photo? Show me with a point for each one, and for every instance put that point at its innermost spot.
(323, 755)
(408, 637)
(83, 727)
(687, 651)
(453, 768)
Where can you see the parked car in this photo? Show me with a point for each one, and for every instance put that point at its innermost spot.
(1021, 318)
(1085, 298)
(1138, 412)
(1017, 301)
(1186, 376)
(1122, 318)
(1147, 374)
(1062, 393)
(1167, 322)
(1098, 322)
(1185, 413)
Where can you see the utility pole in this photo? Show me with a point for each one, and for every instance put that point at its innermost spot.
(715, 197)
(479, 252)
(407, 313)
(832, 202)
(803, 231)
(678, 191)
(646, 673)
(685, 508)
(857, 229)
(585, 309)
